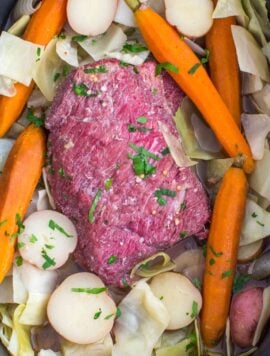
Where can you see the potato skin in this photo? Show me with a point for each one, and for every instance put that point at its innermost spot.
(245, 313)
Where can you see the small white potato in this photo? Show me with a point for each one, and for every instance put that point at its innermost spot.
(248, 253)
(91, 17)
(182, 300)
(192, 18)
(81, 310)
(47, 240)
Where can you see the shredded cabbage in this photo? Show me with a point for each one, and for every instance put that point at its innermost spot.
(143, 320)
(262, 100)
(13, 48)
(7, 87)
(250, 56)
(67, 51)
(254, 24)
(101, 348)
(251, 83)
(5, 147)
(19, 26)
(256, 129)
(124, 15)
(226, 8)
(22, 333)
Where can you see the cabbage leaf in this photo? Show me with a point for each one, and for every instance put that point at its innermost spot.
(101, 348)
(13, 48)
(227, 8)
(143, 320)
(7, 87)
(260, 179)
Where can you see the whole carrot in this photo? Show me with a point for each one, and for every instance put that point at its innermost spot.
(17, 184)
(221, 259)
(183, 65)
(223, 64)
(43, 26)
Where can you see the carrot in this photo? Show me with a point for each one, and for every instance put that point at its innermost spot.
(43, 26)
(222, 249)
(223, 64)
(184, 66)
(18, 181)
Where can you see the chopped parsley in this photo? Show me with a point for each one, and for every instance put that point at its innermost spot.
(260, 223)
(203, 60)
(124, 64)
(141, 166)
(161, 298)
(130, 31)
(192, 343)
(132, 128)
(93, 207)
(108, 183)
(212, 261)
(20, 245)
(33, 119)
(38, 54)
(154, 91)
(240, 280)
(49, 262)
(118, 313)
(19, 261)
(3, 222)
(89, 290)
(61, 172)
(112, 259)
(54, 226)
(164, 192)
(83, 90)
(215, 253)
(166, 151)
(66, 70)
(183, 234)
(33, 239)
(61, 35)
(97, 314)
(193, 69)
(49, 247)
(197, 283)
(56, 76)
(133, 48)
(167, 66)
(183, 206)
(99, 69)
(19, 224)
(195, 310)
(109, 316)
(254, 215)
(142, 120)
(79, 38)
(226, 274)
(144, 151)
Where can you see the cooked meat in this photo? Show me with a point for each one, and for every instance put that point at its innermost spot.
(91, 146)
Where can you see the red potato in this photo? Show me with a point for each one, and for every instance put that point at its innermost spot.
(246, 308)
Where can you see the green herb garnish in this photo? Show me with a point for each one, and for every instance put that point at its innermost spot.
(142, 120)
(112, 259)
(33, 239)
(133, 48)
(56, 76)
(83, 90)
(254, 215)
(108, 184)
(97, 314)
(89, 290)
(197, 283)
(54, 226)
(226, 274)
(164, 192)
(183, 234)
(49, 247)
(33, 119)
(195, 310)
(215, 253)
(18, 261)
(240, 280)
(3, 222)
(132, 128)
(193, 69)
(166, 151)
(49, 262)
(260, 223)
(61, 172)
(166, 66)
(118, 313)
(79, 38)
(93, 207)
(19, 224)
(99, 69)
(108, 316)
(212, 262)
(143, 151)
(20, 245)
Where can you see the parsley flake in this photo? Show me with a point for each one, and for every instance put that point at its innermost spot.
(112, 259)
(226, 274)
(83, 90)
(133, 48)
(19, 224)
(108, 183)
(166, 151)
(99, 69)
(79, 38)
(215, 253)
(49, 262)
(93, 207)
(3, 222)
(183, 234)
(240, 281)
(260, 223)
(212, 261)
(33, 239)
(118, 313)
(193, 69)
(56, 76)
(97, 314)
(54, 226)
(254, 215)
(142, 120)
(89, 290)
(33, 119)
(19, 261)
(164, 192)
(109, 316)
(195, 310)
(167, 66)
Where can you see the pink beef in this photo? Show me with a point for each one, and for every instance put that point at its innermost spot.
(89, 143)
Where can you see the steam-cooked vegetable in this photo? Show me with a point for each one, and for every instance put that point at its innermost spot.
(67, 51)
(217, 168)
(32, 287)
(99, 47)
(12, 48)
(19, 26)
(5, 147)
(248, 253)
(260, 179)
(191, 264)
(261, 99)
(251, 83)
(223, 65)
(250, 57)
(24, 7)
(221, 259)
(260, 269)
(17, 185)
(22, 333)
(158, 263)
(182, 300)
(100, 348)
(91, 17)
(44, 25)
(246, 308)
(227, 8)
(7, 87)
(124, 15)
(141, 311)
(47, 239)
(92, 313)
(192, 18)
(256, 223)
(159, 37)
(256, 129)
(264, 317)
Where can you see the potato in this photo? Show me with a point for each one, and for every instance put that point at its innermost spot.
(192, 18)
(182, 300)
(245, 312)
(248, 253)
(81, 310)
(47, 239)
(91, 17)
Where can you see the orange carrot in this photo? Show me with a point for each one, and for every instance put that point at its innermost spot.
(167, 47)
(18, 182)
(222, 250)
(223, 64)
(43, 26)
